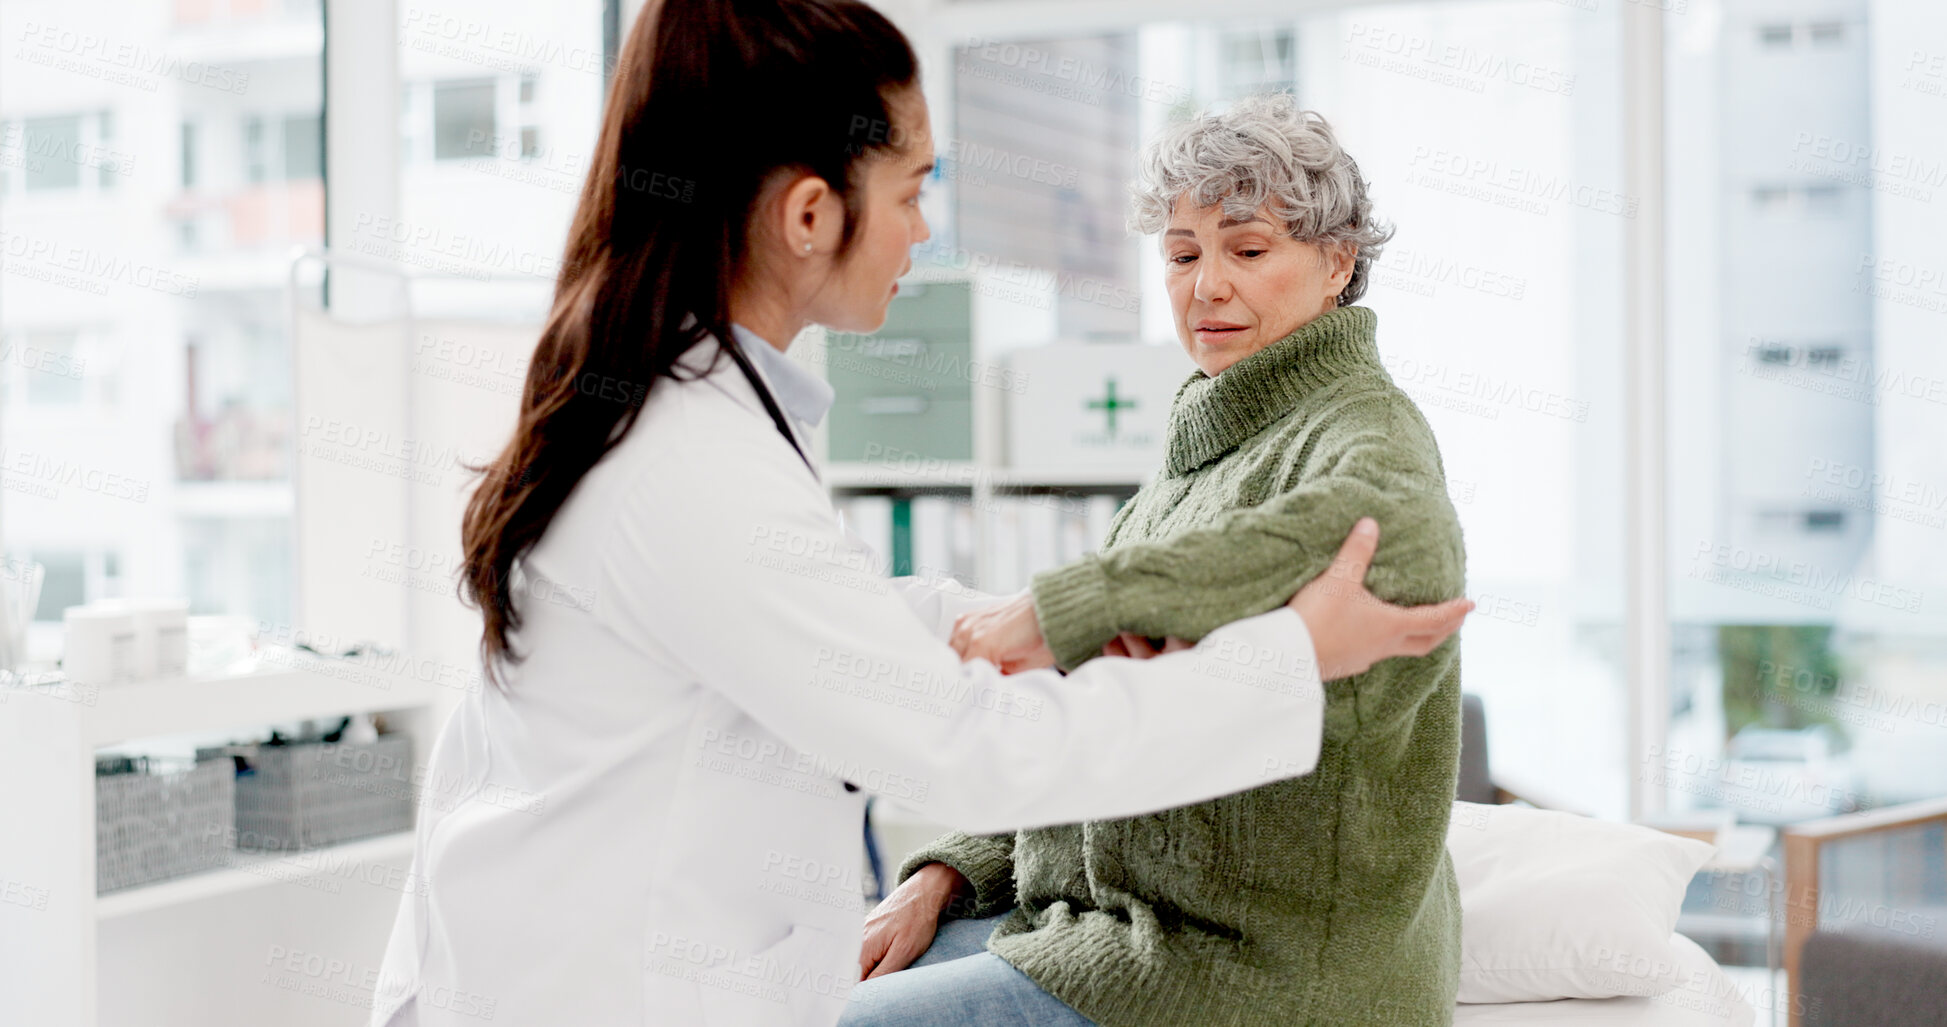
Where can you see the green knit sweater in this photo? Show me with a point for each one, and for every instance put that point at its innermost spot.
(1325, 899)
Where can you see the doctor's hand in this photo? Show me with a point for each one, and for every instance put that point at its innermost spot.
(1007, 634)
(1352, 629)
(901, 927)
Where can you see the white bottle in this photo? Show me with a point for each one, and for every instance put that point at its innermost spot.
(99, 645)
(161, 637)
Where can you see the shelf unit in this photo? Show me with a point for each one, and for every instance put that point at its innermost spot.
(49, 735)
(253, 870)
(968, 476)
(1000, 325)
(983, 488)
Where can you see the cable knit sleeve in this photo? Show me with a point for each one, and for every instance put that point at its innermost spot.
(985, 860)
(1375, 458)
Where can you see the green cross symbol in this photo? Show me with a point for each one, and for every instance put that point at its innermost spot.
(1110, 404)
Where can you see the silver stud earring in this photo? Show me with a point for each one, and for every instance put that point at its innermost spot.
(807, 248)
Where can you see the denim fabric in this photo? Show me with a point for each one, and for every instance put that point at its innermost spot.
(958, 981)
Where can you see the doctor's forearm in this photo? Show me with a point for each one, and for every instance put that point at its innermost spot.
(938, 603)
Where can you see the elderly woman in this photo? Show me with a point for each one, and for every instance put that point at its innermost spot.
(1323, 899)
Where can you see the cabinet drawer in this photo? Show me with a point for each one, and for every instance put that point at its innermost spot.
(942, 310)
(895, 427)
(925, 346)
(895, 365)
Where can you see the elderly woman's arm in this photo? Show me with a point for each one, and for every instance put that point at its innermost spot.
(1250, 560)
(968, 875)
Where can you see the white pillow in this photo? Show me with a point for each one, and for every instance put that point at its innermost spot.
(1555, 905)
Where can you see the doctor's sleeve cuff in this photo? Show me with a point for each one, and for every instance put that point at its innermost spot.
(1072, 605)
(986, 861)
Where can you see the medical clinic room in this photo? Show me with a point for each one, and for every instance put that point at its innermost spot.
(1032, 513)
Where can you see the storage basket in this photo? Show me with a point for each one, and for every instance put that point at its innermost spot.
(311, 794)
(153, 825)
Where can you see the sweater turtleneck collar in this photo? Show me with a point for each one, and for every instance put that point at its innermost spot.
(1212, 416)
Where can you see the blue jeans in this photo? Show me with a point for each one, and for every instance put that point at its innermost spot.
(958, 981)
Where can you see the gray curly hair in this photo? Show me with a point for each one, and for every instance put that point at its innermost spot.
(1263, 152)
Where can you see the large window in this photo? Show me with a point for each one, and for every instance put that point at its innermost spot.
(1486, 131)
(160, 159)
(148, 212)
(1807, 400)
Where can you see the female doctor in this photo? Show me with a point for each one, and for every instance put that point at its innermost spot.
(695, 670)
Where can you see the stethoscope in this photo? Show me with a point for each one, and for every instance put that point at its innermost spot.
(736, 350)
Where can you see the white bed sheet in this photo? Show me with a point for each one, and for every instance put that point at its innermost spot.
(1710, 999)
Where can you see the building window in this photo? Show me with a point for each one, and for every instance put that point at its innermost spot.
(530, 132)
(51, 146)
(303, 147)
(53, 153)
(107, 167)
(463, 118)
(1260, 62)
(253, 150)
(1825, 520)
(65, 585)
(189, 155)
(50, 369)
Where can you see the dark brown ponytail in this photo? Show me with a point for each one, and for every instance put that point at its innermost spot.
(709, 99)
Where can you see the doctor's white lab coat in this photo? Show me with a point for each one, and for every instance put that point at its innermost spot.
(655, 822)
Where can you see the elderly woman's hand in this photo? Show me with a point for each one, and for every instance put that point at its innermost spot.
(1006, 634)
(901, 928)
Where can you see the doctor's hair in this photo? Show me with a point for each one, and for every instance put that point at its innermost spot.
(710, 101)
